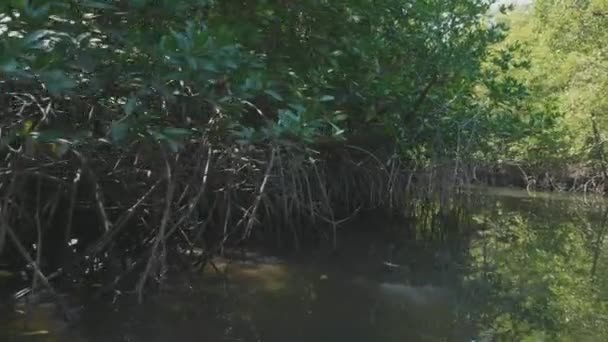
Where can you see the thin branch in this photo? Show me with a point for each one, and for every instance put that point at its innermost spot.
(28, 258)
(101, 210)
(38, 232)
(423, 95)
(382, 166)
(328, 207)
(196, 199)
(160, 237)
(4, 211)
(256, 202)
(73, 196)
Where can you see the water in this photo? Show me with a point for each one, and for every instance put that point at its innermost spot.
(503, 265)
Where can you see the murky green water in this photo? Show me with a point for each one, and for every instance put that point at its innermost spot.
(505, 266)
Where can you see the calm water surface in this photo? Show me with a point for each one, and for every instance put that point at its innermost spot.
(501, 265)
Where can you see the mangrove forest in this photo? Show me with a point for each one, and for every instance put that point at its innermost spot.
(312, 170)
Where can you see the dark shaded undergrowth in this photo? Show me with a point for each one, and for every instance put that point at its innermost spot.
(127, 218)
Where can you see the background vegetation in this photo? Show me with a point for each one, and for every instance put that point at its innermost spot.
(563, 43)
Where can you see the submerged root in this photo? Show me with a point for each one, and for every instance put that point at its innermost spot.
(216, 196)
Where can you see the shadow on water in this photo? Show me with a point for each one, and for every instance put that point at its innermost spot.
(492, 266)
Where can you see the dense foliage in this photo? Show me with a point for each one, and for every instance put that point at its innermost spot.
(564, 44)
(276, 70)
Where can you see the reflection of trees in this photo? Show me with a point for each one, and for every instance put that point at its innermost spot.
(531, 273)
(598, 243)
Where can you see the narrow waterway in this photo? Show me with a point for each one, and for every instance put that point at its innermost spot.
(497, 265)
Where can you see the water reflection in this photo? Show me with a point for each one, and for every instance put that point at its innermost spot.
(493, 266)
(532, 271)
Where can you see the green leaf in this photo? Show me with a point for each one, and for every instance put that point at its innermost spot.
(157, 135)
(129, 107)
(97, 4)
(336, 131)
(61, 148)
(288, 118)
(33, 38)
(231, 64)
(170, 136)
(297, 107)
(208, 66)
(49, 136)
(9, 66)
(192, 63)
(176, 133)
(119, 132)
(183, 42)
(56, 81)
(326, 98)
(340, 117)
(44, 61)
(274, 94)
(19, 4)
(40, 12)
(174, 146)
(138, 3)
